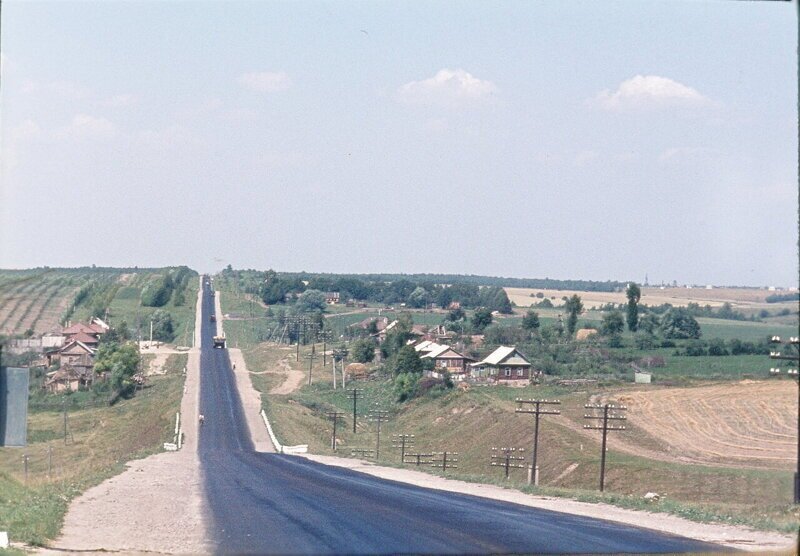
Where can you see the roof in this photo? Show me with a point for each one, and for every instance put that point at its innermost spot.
(436, 351)
(426, 346)
(81, 327)
(73, 343)
(85, 338)
(503, 353)
(442, 352)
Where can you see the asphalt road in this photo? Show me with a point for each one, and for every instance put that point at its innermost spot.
(271, 503)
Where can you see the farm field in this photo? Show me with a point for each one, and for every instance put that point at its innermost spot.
(740, 298)
(747, 423)
(41, 300)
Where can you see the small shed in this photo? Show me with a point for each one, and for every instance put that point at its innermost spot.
(642, 377)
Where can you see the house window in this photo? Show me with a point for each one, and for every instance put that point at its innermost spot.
(519, 372)
(508, 371)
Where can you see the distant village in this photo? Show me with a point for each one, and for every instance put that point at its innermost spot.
(72, 351)
(506, 365)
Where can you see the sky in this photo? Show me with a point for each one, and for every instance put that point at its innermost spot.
(577, 140)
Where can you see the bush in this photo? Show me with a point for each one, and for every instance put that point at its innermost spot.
(363, 351)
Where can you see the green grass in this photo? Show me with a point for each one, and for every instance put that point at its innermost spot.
(101, 440)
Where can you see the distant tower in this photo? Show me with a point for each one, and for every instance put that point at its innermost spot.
(646, 281)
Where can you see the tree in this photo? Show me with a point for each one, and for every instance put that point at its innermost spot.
(406, 360)
(481, 319)
(573, 307)
(163, 327)
(531, 321)
(678, 324)
(405, 386)
(310, 301)
(456, 314)
(418, 298)
(121, 362)
(634, 294)
(649, 323)
(363, 351)
(612, 324)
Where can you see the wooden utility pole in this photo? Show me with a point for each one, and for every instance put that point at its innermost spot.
(445, 460)
(419, 459)
(378, 416)
(355, 394)
(310, 357)
(524, 406)
(506, 458)
(610, 412)
(402, 441)
(334, 416)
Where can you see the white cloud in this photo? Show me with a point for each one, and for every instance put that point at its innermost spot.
(447, 87)
(85, 126)
(121, 101)
(265, 81)
(649, 91)
(585, 157)
(676, 154)
(166, 138)
(60, 89)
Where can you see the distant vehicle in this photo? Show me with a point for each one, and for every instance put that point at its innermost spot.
(219, 342)
(212, 318)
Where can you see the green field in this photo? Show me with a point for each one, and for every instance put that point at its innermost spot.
(100, 440)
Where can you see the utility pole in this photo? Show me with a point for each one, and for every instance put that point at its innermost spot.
(504, 457)
(402, 441)
(445, 460)
(338, 355)
(535, 408)
(324, 336)
(151, 333)
(310, 357)
(355, 394)
(334, 416)
(419, 459)
(610, 412)
(792, 354)
(378, 416)
(64, 408)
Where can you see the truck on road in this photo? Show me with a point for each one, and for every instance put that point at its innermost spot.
(219, 342)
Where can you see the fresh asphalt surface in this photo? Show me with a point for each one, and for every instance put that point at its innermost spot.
(271, 503)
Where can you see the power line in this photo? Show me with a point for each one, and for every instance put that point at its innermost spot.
(445, 460)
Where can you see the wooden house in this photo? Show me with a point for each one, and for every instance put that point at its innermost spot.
(505, 364)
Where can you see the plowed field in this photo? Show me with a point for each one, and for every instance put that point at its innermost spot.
(751, 424)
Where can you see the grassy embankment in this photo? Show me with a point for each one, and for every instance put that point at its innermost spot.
(472, 422)
(100, 440)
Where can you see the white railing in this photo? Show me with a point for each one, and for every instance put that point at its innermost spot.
(300, 449)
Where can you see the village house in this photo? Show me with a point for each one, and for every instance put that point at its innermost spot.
(65, 379)
(447, 359)
(504, 365)
(332, 298)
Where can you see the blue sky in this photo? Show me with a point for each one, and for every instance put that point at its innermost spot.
(563, 139)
